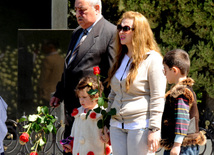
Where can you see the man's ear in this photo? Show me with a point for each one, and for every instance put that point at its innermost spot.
(97, 8)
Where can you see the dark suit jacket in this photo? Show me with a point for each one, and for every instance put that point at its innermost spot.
(96, 50)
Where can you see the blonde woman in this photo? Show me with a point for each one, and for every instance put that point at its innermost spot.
(137, 88)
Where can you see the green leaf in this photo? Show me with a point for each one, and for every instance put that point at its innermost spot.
(37, 127)
(103, 95)
(46, 130)
(45, 110)
(87, 114)
(105, 105)
(50, 116)
(23, 119)
(112, 112)
(53, 120)
(100, 124)
(50, 127)
(103, 112)
(39, 109)
(97, 110)
(54, 130)
(39, 120)
(32, 118)
(33, 126)
(26, 126)
(44, 139)
(41, 142)
(100, 101)
(92, 91)
(43, 119)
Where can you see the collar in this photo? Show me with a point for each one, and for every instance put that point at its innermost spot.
(89, 28)
(180, 87)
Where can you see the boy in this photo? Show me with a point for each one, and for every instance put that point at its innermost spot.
(180, 131)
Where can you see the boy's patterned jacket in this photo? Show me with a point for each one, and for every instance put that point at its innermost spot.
(181, 116)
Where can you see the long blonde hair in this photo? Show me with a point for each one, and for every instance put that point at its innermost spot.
(142, 41)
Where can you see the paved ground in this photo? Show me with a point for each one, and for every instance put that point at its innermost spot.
(20, 151)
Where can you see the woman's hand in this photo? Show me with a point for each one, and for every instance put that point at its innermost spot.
(67, 148)
(104, 136)
(153, 140)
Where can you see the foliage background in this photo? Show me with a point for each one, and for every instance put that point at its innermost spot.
(186, 24)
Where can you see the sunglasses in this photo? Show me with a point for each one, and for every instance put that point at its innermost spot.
(124, 28)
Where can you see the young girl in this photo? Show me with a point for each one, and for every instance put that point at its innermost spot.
(84, 138)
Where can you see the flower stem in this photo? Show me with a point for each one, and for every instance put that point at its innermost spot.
(98, 85)
(105, 148)
(103, 133)
(29, 127)
(37, 144)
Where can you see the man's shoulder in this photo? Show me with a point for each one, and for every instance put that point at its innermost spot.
(109, 24)
(105, 23)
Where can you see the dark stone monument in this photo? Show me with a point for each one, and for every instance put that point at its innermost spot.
(30, 58)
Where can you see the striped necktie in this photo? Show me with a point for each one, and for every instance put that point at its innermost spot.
(74, 53)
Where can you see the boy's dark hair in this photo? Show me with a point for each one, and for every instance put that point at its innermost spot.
(89, 83)
(178, 58)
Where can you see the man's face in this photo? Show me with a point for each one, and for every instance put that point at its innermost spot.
(85, 13)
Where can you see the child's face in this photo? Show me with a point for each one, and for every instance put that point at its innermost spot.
(169, 73)
(85, 100)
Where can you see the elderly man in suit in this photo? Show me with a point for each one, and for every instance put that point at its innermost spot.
(97, 49)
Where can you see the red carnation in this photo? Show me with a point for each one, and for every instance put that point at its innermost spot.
(96, 70)
(78, 154)
(93, 115)
(75, 112)
(108, 150)
(90, 153)
(34, 153)
(24, 137)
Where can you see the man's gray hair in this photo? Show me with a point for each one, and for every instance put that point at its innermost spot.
(95, 2)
